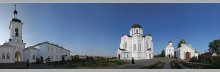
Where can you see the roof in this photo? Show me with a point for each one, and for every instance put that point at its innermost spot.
(50, 44)
(136, 26)
(30, 47)
(121, 49)
(16, 20)
(126, 35)
(6, 45)
(149, 34)
(170, 41)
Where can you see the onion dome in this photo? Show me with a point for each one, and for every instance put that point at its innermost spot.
(149, 34)
(136, 26)
(170, 41)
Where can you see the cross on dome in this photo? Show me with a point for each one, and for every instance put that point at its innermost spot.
(15, 12)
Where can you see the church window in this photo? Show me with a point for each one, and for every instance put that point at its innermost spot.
(16, 31)
(33, 57)
(134, 47)
(139, 47)
(52, 58)
(8, 56)
(136, 31)
(3, 56)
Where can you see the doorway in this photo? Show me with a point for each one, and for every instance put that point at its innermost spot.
(118, 56)
(187, 55)
(17, 56)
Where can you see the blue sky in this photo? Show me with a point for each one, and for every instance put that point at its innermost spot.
(95, 29)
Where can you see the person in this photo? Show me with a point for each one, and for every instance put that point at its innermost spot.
(132, 60)
(27, 63)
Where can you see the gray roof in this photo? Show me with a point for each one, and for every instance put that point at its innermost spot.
(7, 45)
(51, 44)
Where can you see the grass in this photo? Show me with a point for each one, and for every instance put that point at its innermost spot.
(175, 65)
(87, 63)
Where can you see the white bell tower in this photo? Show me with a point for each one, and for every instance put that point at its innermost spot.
(16, 31)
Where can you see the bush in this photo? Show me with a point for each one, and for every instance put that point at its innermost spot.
(194, 59)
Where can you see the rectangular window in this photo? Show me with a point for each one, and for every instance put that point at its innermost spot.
(8, 56)
(134, 47)
(3, 56)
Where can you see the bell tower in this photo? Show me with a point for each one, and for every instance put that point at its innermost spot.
(15, 28)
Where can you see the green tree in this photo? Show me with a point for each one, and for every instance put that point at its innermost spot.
(194, 59)
(214, 46)
(41, 59)
(162, 53)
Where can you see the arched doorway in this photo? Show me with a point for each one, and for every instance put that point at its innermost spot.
(187, 55)
(118, 56)
(169, 55)
(18, 56)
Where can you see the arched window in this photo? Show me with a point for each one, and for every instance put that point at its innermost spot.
(3, 55)
(136, 31)
(34, 57)
(16, 31)
(8, 55)
(134, 47)
(139, 47)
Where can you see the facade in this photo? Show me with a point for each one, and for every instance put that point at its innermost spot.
(185, 52)
(46, 50)
(14, 50)
(136, 45)
(169, 50)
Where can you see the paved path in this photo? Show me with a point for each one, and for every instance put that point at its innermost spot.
(167, 63)
(139, 64)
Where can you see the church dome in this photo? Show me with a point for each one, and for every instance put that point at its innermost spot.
(182, 41)
(136, 26)
(170, 41)
(15, 11)
(149, 34)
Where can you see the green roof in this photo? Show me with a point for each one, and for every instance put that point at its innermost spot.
(136, 26)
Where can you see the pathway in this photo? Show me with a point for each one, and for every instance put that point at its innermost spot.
(139, 64)
(167, 63)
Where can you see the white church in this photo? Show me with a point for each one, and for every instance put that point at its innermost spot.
(15, 51)
(136, 45)
(185, 52)
(169, 50)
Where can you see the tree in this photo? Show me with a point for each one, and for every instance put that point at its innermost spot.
(214, 46)
(37, 60)
(162, 53)
(41, 59)
(194, 59)
(48, 59)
